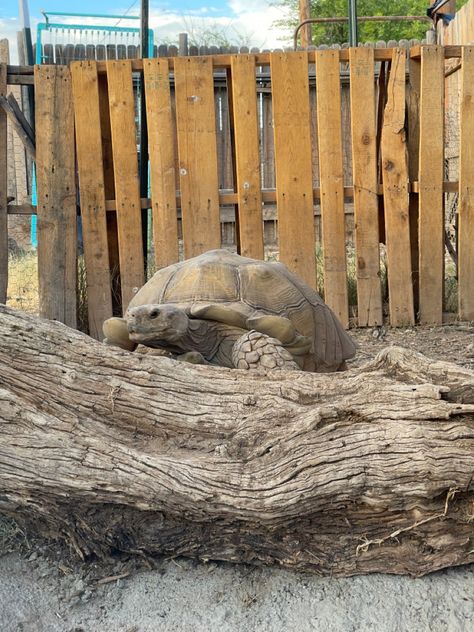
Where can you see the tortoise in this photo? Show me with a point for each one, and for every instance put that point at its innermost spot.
(224, 309)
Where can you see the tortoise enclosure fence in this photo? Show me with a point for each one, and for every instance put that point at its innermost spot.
(292, 137)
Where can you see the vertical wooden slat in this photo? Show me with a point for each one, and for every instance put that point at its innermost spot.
(292, 133)
(247, 156)
(395, 189)
(109, 187)
(331, 171)
(196, 126)
(413, 122)
(161, 143)
(466, 188)
(3, 190)
(56, 191)
(127, 186)
(430, 185)
(85, 88)
(364, 166)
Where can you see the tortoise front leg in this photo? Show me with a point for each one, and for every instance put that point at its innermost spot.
(254, 350)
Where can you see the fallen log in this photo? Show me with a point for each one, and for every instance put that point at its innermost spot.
(347, 473)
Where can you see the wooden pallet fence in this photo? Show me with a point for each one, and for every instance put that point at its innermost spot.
(286, 138)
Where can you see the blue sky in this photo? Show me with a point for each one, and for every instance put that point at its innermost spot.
(245, 21)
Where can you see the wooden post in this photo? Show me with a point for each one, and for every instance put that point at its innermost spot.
(305, 14)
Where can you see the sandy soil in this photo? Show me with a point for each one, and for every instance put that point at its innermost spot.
(43, 589)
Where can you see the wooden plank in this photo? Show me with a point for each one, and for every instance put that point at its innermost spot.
(430, 183)
(85, 88)
(127, 185)
(198, 169)
(364, 167)
(331, 173)
(162, 161)
(109, 186)
(294, 181)
(247, 156)
(395, 187)
(3, 190)
(466, 189)
(56, 193)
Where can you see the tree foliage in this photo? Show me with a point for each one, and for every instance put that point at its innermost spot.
(367, 31)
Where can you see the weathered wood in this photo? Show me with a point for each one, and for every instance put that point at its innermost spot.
(109, 186)
(331, 171)
(413, 147)
(466, 189)
(196, 126)
(292, 138)
(247, 155)
(395, 187)
(85, 88)
(127, 186)
(3, 190)
(348, 473)
(56, 194)
(364, 166)
(430, 183)
(17, 126)
(161, 142)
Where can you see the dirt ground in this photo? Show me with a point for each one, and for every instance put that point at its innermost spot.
(43, 589)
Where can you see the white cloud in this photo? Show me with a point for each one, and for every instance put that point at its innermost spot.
(251, 21)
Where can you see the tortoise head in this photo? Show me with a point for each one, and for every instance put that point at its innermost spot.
(150, 323)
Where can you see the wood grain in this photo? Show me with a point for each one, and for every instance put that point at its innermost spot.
(56, 193)
(247, 154)
(85, 89)
(293, 166)
(331, 171)
(368, 470)
(196, 127)
(127, 186)
(364, 166)
(395, 188)
(466, 189)
(161, 142)
(430, 183)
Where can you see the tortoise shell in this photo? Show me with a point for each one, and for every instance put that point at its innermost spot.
(244, 288)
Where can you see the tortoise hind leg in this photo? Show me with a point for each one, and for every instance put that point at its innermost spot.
(255, 350)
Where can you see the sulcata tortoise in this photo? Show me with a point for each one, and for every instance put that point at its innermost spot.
(227, 310)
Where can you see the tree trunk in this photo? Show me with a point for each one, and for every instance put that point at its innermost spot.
(367, 470)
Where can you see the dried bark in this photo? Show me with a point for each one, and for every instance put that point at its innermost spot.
(356, 472)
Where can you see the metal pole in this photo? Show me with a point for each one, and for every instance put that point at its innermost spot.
(144, 50)
(352, 12)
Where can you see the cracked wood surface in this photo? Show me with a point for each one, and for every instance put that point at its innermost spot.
(363, 471)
